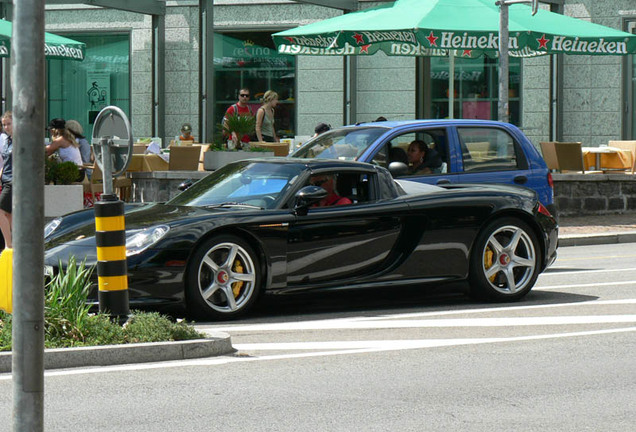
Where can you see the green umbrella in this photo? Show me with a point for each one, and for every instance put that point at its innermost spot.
(469, 27)
(55, 47)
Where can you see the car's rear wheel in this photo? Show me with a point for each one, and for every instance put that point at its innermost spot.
(504, 263)
(222, 279)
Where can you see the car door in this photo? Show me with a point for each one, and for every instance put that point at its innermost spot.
(394, 147)
(342, 243)
(491, 155)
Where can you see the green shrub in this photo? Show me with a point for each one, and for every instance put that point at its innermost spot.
(65, 173)
(69, 322)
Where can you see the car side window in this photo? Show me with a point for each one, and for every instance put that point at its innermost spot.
(487, 149)
(397, 149)
(343, 188)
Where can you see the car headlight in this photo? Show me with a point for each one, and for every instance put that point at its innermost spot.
(51, 226)
(142, 240)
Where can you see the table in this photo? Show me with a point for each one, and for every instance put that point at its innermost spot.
(606, 158)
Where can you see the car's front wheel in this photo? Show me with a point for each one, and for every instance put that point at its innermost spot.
(504, 263)
(222, 279)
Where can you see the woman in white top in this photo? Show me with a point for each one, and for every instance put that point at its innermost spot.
(265, 129)
(63, 142)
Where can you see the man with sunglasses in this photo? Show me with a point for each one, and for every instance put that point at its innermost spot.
(241, 108)
(328, 183)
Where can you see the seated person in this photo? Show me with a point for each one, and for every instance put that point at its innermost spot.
(328, 183)
(186, 133)
(423, 160)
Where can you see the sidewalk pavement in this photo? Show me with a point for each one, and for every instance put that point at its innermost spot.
(573, 231)
(595, 230)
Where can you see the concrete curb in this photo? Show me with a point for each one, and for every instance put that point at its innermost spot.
(597, 239)
(217, 344)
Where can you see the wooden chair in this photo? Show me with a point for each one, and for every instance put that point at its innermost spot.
(563, 156)
(121, 185)
(626, 145)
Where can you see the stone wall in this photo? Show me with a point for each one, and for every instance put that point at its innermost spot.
(574, 194)
(594, 194)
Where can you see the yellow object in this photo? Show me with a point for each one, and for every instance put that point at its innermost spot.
(111, 223)
(112, 283)
(111, 253)
(6, 280)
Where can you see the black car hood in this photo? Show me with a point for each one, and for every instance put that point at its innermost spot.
(79, 227)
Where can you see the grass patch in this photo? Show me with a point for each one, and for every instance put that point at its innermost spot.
(68, 321)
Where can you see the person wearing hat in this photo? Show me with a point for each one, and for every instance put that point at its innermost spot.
(63, 142)
(321, 128)
(186, 133)
(76, 129)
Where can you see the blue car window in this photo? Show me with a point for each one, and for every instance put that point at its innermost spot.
(487, 149)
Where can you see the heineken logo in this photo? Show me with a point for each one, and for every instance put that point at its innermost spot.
(63, 51)
(370, 37)
(490, 42)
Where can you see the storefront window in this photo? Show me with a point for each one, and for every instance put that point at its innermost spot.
(250, 60)
(476, 88)
(79, 90)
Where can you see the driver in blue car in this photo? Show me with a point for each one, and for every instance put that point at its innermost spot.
(328, 183)
(423, 159)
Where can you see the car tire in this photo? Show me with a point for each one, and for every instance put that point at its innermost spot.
(222, 279)
(505, 261)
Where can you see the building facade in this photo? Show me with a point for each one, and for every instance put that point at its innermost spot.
(569, 98)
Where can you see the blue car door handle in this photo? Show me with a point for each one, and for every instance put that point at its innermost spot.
(521, 179)
(443, 181)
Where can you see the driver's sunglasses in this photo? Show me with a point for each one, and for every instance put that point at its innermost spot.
(319, 182)
(244, 95)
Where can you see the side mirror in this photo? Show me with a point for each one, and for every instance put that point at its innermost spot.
(306, 197)
(398, 169)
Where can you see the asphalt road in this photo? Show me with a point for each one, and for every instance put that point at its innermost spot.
(384, 360)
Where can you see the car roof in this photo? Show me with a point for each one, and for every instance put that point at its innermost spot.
(317, 163)
(430, 122)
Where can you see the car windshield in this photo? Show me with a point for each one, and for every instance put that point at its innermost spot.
(343, 144)
(244, 183)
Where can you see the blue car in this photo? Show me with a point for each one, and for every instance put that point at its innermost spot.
(459, 151)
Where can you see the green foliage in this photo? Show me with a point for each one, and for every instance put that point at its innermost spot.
(5, 331)
(60, 173)
(242, 125)
(69, 322)
(259, 149)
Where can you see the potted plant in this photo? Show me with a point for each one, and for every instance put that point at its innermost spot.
(219, 154)
(61, 196)
(240, 125)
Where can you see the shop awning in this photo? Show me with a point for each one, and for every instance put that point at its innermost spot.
(467, 27)
(55, 47)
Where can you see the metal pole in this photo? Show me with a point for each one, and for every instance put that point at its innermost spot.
(107, 162)
(27, 54)
(503, 110)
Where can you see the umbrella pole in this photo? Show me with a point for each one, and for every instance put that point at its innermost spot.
(503, 110)
(451, 84)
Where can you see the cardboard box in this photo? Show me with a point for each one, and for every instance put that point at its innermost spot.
(184, 158)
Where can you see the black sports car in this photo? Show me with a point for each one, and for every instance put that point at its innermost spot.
(256, 226)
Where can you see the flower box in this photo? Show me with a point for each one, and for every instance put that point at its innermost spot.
(63, 199)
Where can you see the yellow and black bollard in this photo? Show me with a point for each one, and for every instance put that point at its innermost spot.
(112, 275)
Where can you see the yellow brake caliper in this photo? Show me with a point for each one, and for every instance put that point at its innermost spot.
(488, 261)
(237, 286)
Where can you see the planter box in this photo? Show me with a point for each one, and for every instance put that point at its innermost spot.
(62, 199)
(214, 160)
